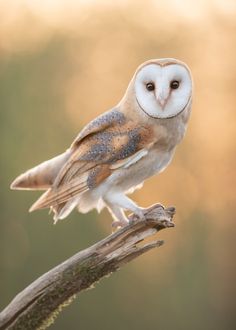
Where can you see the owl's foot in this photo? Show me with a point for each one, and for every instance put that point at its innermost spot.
(139, 214)
(120, 219)
(154, 206)
(116, 224)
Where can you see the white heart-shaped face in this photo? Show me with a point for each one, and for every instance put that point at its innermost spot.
(163, 91)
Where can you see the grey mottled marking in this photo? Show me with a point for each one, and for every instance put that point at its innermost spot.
(108, 118)
(129, 148)
(103, 150)
(97, 152)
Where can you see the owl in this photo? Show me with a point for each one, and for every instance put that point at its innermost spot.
(117, 151)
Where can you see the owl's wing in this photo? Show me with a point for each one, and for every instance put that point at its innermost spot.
(106, 144)
(102, 122)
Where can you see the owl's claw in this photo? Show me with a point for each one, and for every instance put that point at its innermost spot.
(139, 214)
(119, 224)
(154, 206)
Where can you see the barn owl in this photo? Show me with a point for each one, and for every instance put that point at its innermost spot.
(117, 151)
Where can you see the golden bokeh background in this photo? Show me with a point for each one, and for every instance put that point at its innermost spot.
(62, 63)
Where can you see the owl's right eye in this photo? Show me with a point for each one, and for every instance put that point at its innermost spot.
(150, 86)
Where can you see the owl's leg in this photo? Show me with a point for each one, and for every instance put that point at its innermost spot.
(120, 219)
(122, 201)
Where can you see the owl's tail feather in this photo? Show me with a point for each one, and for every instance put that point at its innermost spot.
(42, 176)
(56, 196)
(61, 211)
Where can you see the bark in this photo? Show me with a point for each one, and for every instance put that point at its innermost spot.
(37, 306)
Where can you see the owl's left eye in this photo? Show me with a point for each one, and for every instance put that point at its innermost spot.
(150, 86)
(174, 84)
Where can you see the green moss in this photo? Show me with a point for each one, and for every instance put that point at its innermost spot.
(51, 318)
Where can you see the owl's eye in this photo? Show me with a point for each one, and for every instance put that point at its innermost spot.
(174, 84)
(150, 86)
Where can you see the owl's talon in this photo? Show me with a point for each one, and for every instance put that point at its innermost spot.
(139, 214)
(119, 224)
(155, 206)
(159, 205)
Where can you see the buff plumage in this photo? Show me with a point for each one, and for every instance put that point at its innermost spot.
(120, 149)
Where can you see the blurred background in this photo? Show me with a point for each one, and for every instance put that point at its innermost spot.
(62, 63)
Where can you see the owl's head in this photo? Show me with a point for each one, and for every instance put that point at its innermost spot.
(162, 87)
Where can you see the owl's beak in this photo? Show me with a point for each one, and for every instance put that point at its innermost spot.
(162, 102)
(161, 99)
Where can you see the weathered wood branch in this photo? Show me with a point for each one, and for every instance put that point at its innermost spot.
(37, 306)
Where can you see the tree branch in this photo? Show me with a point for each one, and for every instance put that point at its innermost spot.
(37, 306)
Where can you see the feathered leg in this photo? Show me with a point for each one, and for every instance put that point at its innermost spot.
(120, 219)
(117, 202)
